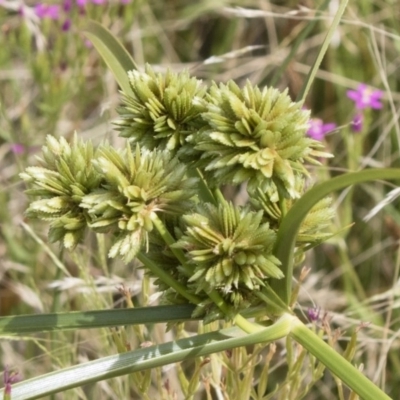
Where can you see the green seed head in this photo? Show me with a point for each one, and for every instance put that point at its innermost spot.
(64, 177)
(256, 135)
(163, 111)
(231, 251)
(137, 186)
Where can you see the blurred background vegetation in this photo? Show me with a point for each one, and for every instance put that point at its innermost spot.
(52, 81)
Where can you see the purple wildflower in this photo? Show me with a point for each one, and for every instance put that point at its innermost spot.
(357, 123)
(88, 44)
(313, 314)
(365, 97)
(67, 5)
(9, 379)
(47, 11)
(81, 3)
(66, 25)
(317, 129)
(17, 148)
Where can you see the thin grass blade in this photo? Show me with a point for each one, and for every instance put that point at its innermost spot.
(23, 324)
(290, 225)
(314, 69)
(113, 53)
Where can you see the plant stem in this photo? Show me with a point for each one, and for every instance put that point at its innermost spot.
(336, 363)
(167, 278)
(246, 325)
(169, 240)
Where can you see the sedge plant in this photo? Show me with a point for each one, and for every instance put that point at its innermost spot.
(160, 199)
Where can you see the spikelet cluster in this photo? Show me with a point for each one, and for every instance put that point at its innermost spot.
(230, 249)
(107, 190)
(65, 176)
(137, 186)
(173, 124)
(257, 136)
(164, 110)
(311, 230)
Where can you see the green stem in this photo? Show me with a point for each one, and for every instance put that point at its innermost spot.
(240, 321)
(286, 238)
(309, 26)
(337, 364)
(170, 241)
(204, 191)
(167, 278)
(246, 325)
(325, 45)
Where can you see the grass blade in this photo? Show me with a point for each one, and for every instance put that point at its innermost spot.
(281, 69)
(287, 233)
(113, 53)
(146, 358)
(313, 71)
(22, 324)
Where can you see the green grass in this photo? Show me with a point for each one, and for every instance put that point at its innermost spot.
(52, 83)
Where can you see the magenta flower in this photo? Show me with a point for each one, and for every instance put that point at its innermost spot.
(317, 129)
(357, 123)
(66, 25)
(67, 5)
(314, 314)
(365, 97)
(47, 11)
(17, 148)
(9, 379)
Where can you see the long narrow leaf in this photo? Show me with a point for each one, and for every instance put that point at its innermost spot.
(282, 67)
(313, 71)
(291, 223)
(336, 363)
(22, 324)
(113, 53)
(142, 359)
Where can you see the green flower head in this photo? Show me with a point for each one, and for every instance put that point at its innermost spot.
(137, 186)
(256, 135)
(65, 176)
(231, 250)
(163, 111)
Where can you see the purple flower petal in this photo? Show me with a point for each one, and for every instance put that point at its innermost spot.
(364, 97)
(40, 10)
(313, 314)
(53, 11)
(357, 123)
(9, 379)
(66, 25)
(47, 11)
(317, 129)
(17, 148)
(67, 5)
